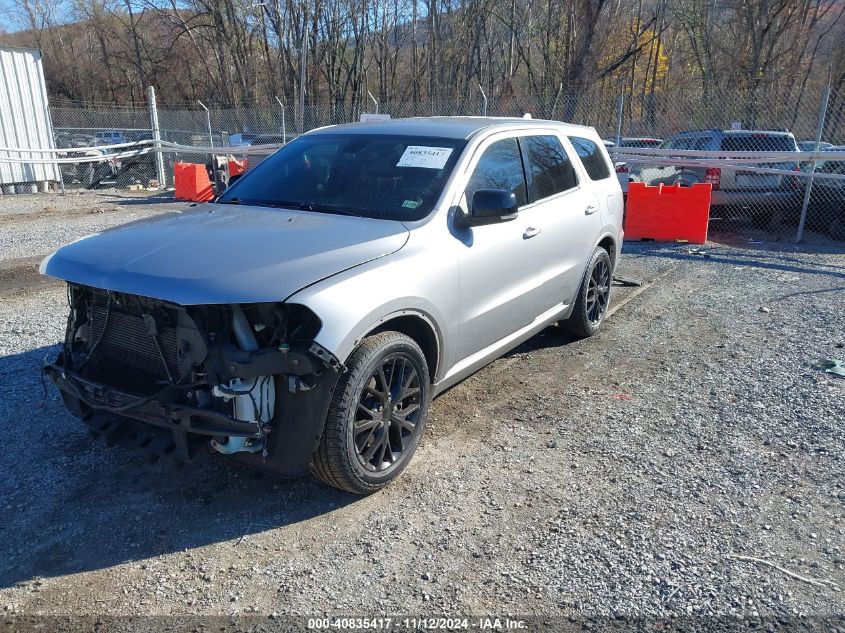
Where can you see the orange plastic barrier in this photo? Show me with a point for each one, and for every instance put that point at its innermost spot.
(237, 167)
(667, 213)
(192, 182)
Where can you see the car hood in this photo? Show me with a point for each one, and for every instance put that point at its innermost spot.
(214, 253)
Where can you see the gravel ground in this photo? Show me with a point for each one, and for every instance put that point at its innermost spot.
(624, 476)
(35, 225)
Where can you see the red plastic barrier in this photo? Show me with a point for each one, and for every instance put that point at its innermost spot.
(192, 182)
(237, 167)
(667, 213)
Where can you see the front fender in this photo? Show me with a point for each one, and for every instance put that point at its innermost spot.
(409, 282)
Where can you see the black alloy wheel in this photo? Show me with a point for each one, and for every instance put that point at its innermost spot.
(593, 296)
(598, 292)
(388, 411)
(377, 415)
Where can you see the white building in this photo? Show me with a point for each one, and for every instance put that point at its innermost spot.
(24, 123)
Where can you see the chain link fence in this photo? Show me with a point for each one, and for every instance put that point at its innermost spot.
(770, 179)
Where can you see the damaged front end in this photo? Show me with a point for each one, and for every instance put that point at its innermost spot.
(243, 380)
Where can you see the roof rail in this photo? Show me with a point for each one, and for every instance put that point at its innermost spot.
(707, 129)
(779, 130)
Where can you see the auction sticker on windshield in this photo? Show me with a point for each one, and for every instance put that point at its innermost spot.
(427, 157)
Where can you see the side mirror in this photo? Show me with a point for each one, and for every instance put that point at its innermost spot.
(490, 206)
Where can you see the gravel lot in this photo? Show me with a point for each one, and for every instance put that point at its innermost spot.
(622, 476)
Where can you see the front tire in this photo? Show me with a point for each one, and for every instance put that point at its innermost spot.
(377, 415)
(593, 297)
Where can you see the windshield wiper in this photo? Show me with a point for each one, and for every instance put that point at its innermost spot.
(251, 203)
(321, 208)
(290, 204)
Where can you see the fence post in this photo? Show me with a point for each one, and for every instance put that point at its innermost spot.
(284, 132)
(809, 188)
(620, 107)
(303, 60)
(208, 122)
(151, 102)
(557, 96)
(373, 99)
(484, 97)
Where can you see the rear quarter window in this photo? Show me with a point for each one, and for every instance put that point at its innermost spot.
(591, 157)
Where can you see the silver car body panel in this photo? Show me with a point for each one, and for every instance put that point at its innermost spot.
(479, 290)
(216, 254)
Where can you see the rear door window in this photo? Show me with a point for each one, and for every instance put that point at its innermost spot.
(500, 167)
(550, 170)
(757, 143)
(591, 157)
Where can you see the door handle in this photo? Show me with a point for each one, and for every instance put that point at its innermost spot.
(591, 209)
(531, 232)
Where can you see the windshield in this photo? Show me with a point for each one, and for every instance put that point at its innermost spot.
(371, 175)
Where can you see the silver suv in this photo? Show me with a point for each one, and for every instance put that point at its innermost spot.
(308, 315)
(735, 191)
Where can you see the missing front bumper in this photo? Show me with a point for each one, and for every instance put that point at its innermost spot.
(126, 418)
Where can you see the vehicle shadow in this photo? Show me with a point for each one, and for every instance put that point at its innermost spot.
(548, 338)
(72, 505)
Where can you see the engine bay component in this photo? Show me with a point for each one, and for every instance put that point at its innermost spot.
(174, 379)
(254, 399)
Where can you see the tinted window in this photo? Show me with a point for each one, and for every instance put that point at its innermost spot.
(500, 167)
(591, 157)
(372, 175)
(640, 142)
(831, 167)
(269, 139)
(549, 166)
(758, 143)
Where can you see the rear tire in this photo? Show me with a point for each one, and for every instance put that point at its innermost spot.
(593, 297)
(377, 415)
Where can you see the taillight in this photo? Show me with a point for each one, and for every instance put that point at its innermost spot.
(713, 175)
(621, 168)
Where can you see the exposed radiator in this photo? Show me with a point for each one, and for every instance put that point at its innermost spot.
(127, 340)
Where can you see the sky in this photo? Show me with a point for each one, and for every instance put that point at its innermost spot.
(6, 7)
